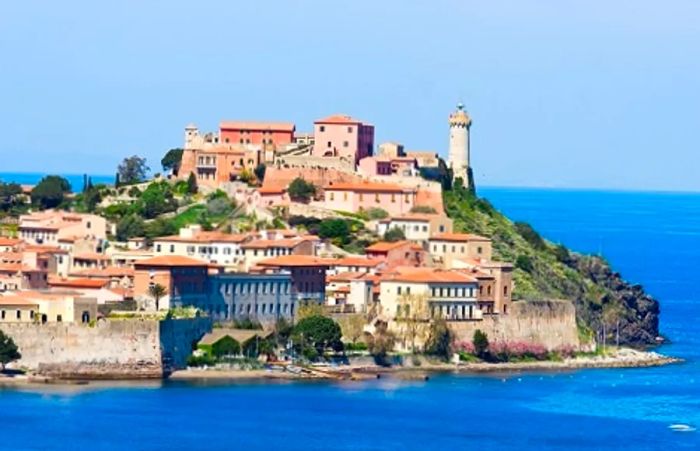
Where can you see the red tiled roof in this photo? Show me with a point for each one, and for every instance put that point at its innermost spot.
(13, 300)
(78, 283)
(4, 241)
(339, 119)
(427, 275)
(458, 237)
(386, 246)
(368, 187)
(171, 261)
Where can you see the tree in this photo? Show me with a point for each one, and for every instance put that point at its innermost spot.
(301, 191)
(530, 235)
(524, 262)
(439, 340)
(283, 330)
(320, 332)
(381, 343)
(246, 176)
(310, 309)
(260, 172)
(130, 226)
(9, 193)
(192, 184)
(8, 350)
(171, 161)
(481, 343)
(352, 326)
(157, 291)
(132, 170)
(413, 319)
(226, 346)
(334, 228)
(50, 191)
(377, 213)
(394, 234)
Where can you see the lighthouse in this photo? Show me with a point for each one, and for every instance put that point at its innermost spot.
(458, 156)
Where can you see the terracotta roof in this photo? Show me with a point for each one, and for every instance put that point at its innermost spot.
(295, 260)
(385, 246)
(257, 126)
(43, 249)
(458, 237)
(427, 275)
(368, 187)
(272, 190)
(344, 277)
(339, 119)
(4, 241)
(171, 261)
(357, 261)
(78, 283)
(18, 301)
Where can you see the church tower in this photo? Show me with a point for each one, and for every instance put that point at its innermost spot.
(458, 156)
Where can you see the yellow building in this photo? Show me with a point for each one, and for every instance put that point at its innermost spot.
(44, 307)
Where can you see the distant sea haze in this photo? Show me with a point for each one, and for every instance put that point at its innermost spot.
(75, 180)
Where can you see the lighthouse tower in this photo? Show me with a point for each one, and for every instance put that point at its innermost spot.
(458, 156)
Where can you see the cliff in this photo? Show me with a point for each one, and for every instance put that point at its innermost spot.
(603, 299)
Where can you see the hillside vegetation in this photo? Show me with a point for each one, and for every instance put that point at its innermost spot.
(604, 301)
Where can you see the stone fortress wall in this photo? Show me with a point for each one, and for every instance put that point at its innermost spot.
(111, 349)
(551, 324)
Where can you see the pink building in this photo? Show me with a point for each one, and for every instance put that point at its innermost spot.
(399, 253)
(343, 136)
(381, 165)
(257, 133)
(353, 197)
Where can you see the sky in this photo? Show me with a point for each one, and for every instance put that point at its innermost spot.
(575, 94)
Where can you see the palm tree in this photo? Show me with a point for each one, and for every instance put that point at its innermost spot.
(157, 291)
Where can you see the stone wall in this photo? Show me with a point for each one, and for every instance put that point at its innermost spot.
(129, 348)
(549, 323)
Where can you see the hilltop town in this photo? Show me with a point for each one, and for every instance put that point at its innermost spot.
(257, 239)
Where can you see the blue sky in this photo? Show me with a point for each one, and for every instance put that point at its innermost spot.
(565, 94)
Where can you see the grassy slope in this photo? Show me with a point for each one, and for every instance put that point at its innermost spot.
(599, 293)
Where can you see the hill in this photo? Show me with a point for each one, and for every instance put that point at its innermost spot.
(603, 299)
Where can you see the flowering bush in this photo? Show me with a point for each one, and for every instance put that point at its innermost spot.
(516, 350)
(464, 346)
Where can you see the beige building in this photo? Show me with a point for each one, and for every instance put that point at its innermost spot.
(417, 227)
(451, 295)
(52, 227)
(499, 290)
(43, 307)
(444, 248)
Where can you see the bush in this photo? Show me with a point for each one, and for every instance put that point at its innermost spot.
(226, 346)
(524, 262)
(134, 191)
(480, 343)
(301, 191)
(201, 360)
(561, 253)
(440, 340)
(530, 235)
(334, 228)
(377, 213)
(394, 234)
(356, 346)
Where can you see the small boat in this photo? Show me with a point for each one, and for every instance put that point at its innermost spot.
(681, 428)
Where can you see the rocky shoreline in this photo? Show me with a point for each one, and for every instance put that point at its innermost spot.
(624, 358)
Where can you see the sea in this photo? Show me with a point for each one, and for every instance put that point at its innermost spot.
(76, 180)
(651, 238)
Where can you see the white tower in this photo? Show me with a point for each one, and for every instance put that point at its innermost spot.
(458, 157)
(191, 137)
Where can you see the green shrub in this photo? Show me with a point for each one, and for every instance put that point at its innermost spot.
(201, 360)
(424, 209)
(394, 234)
(377, 213)
(530, 235)
(301, 191)
(524, 262)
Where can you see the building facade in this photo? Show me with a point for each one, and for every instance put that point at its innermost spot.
(343, 136)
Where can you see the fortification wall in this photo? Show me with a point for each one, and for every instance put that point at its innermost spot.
(133, 348)
(282, 177)
(549, 323)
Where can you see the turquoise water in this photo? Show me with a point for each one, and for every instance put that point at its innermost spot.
(32, 178)
(651, 238)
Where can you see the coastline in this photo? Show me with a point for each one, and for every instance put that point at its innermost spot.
(625, 358)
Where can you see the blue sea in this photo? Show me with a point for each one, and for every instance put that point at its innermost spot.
(652, 238)
(75, 180)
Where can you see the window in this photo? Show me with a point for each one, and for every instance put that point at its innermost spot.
(478, 250)
(393, 198)
(408, 290)
(349, 129)
(398, 290)
(157, 247)
(2, 315)
(425, 228)
(172, 248)
(346, 144)
(19, 314)
(329, 144)
(59, 318)
(453, 249)
(505, 290)
(332, 196)
(322, 128)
